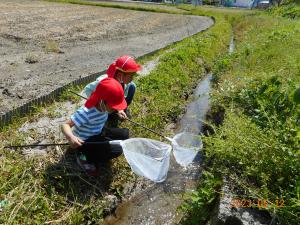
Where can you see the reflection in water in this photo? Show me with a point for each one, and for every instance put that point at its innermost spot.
(158, 203)
(196, 110)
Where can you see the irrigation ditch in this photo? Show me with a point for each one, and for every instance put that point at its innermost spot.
(158, 203)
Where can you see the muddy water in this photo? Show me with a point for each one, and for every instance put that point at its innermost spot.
(158, 203)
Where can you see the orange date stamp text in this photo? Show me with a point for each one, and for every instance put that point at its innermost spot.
(256, 203)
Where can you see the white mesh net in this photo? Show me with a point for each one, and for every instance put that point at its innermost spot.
(185, 147)
(148, 158)
(151, 159)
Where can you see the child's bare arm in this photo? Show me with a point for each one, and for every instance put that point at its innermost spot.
(74, 141)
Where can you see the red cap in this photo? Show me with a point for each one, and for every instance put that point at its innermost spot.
(110, 91)
(125, 63)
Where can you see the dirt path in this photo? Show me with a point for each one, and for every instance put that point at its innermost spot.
(84, 39)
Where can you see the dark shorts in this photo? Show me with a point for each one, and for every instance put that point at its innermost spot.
(104, 151)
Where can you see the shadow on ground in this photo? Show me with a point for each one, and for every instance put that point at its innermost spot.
(68, 179)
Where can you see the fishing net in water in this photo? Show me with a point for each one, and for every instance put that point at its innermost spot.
(148, 158)
(185, 147)
(151, 159)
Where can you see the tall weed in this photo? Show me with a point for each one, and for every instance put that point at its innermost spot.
(258, 85)
(291, 10)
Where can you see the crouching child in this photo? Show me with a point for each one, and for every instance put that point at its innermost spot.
(85, 129)
(124, 70)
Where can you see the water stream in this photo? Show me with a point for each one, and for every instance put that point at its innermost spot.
(197, 109)
(158, 203)
(231, 45)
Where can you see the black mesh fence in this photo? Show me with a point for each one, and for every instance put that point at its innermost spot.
(48, 98)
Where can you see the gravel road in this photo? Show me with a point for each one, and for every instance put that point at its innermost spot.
(71, 41)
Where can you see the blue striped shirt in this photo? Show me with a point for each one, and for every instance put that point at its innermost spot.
(88, 122)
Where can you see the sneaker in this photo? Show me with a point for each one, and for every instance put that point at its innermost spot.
(128, 114)
(90, 169)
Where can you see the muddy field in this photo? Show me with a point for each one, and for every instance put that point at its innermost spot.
(46, 45)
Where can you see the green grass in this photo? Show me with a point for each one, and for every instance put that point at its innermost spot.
(257, 146)
(31, 58)
(52, 46)
(199, 204)
(291, 11)
(51, 190)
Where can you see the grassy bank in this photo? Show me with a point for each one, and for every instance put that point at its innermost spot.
(49, 190)
(257, 147)
(289, 10)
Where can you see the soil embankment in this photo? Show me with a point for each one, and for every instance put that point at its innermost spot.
(46, 45)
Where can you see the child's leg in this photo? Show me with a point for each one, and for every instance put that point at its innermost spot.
(104, 151)
(95, 152)
(113, 118)
(131, 92)
(116, 134)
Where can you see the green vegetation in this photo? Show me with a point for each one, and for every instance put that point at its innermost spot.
(289, 10)
(200, 203)
(176, 76)
(51, 190)
(31, 58)
(257, 146)
(52, 46)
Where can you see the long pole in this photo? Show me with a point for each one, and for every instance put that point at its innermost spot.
(35, 145)
(153, 131)
(53, 144)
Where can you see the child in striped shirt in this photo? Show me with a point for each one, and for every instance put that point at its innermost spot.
(85, 129)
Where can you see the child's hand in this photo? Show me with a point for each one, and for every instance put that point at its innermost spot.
(75, 142)
(122, 115)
